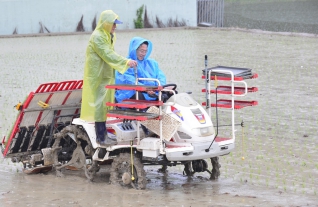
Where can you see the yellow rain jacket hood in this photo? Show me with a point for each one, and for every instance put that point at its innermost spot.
(99, 70)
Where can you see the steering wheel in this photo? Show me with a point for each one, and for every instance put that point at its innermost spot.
(173, 85)
(166, 94)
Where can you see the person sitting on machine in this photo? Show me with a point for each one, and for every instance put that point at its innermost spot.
(140, 50)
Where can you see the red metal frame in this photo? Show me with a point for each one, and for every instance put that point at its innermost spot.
(17, 123)
(66, 85)
(131, 117)
(78, 85)
(63, 86)
(114, 121)
(221, 139)
(43, 88)
(138, 104)
(255, 75)
(224, 103)
(227, 90)
(175, 146)
(135, 87)
(47, 87)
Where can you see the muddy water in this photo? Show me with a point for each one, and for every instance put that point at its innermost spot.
(279, 141)
(169, 189)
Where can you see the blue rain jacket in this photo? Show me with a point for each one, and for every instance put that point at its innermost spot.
(147, 68)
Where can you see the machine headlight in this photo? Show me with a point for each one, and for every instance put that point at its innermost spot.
(204, 130)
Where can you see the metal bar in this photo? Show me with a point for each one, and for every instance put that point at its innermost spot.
(207, 95)
(51, 130)
(73, 106)
(221, 13)
(211, 12)
(232, 99)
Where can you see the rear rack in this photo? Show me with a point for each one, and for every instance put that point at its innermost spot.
(235, 76)
(223, 103)
(238, 73)
(228, 90)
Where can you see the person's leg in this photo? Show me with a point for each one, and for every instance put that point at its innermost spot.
(101, 135)
(140, 96)
(100, 129)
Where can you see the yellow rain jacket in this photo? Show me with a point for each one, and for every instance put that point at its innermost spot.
(99, 71)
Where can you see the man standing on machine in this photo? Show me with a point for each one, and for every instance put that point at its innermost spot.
(99, 71)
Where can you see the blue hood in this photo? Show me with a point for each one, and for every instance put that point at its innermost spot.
(133, 46)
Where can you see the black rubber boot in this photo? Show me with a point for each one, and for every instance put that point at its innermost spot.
(109, 141)
(101, 135)
(100, 129)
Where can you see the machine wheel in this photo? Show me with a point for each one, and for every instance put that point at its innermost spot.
(90, 173)
(195, 166)
(188, 171)
(121, 171)
(163, 169)
(215, 168)
(69, 150)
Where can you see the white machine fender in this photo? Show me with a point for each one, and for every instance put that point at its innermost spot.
(89, 128)
(115, 130)
(196, 123)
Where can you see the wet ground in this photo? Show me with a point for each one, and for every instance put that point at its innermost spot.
(170, 189)
(279, 141)
(273, 15)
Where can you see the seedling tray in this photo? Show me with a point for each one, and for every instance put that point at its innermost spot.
(244, 73)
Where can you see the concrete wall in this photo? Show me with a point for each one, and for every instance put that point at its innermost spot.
(64, 15)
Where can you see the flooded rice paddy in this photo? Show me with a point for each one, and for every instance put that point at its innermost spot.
(279, 142)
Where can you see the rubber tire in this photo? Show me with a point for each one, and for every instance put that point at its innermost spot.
(139, 172)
